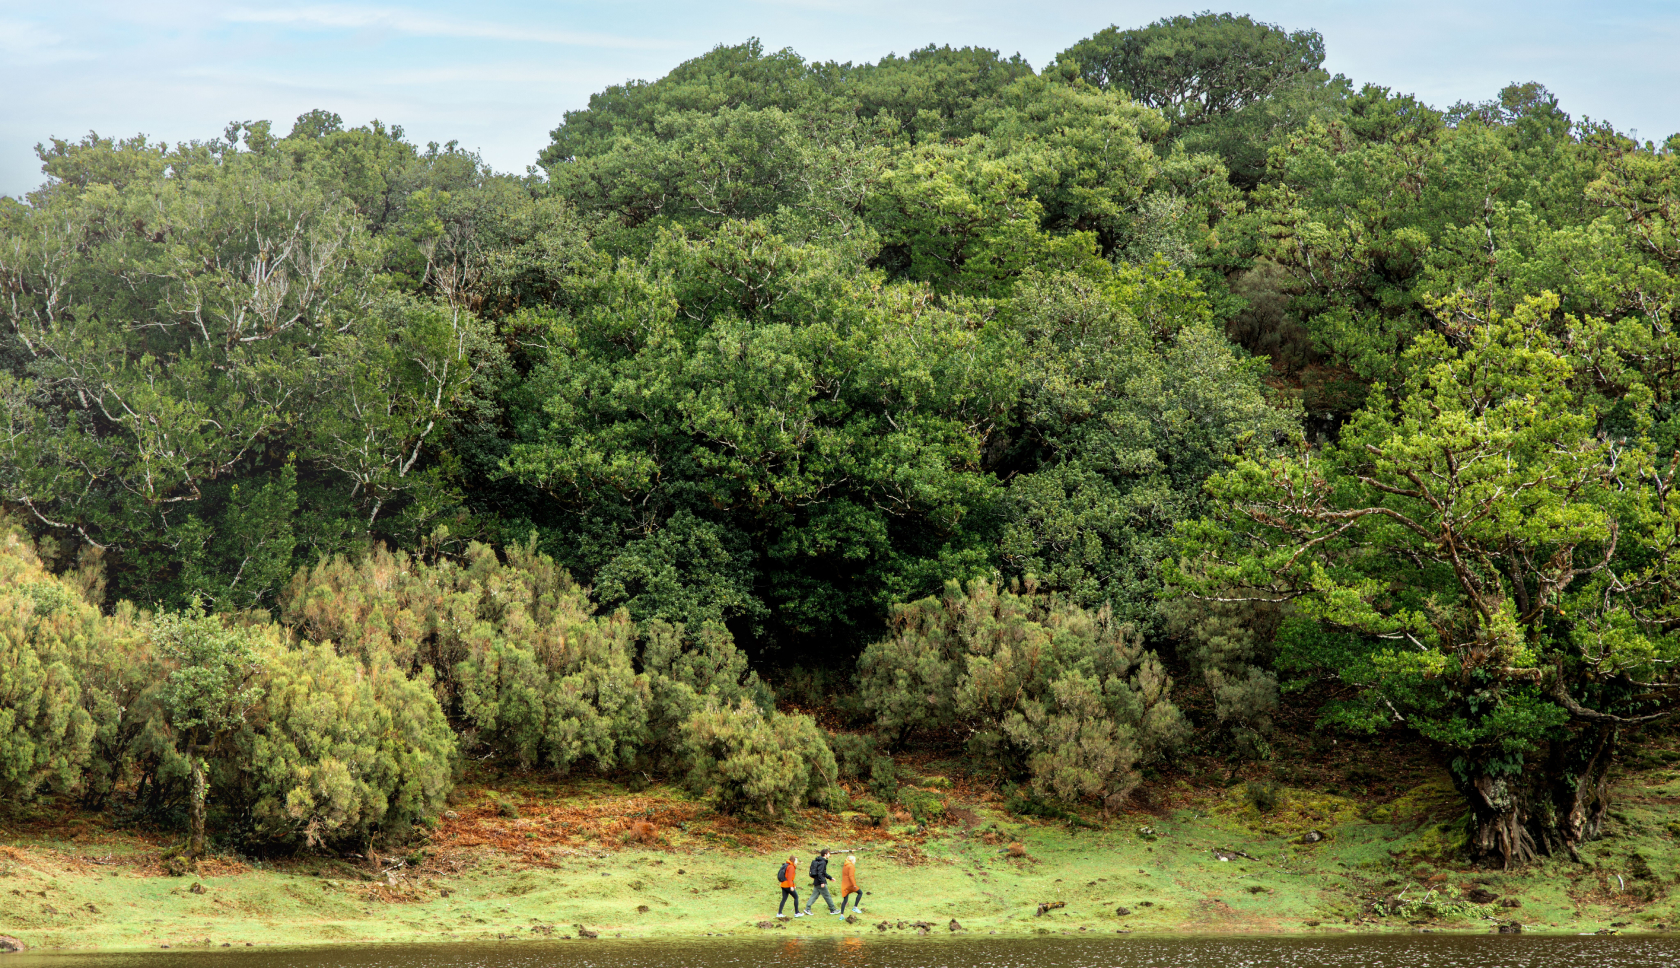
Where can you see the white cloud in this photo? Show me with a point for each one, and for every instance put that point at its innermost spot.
(396, 19)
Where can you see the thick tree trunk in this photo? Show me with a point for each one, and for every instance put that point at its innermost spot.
(195, 805)
(1555, 805)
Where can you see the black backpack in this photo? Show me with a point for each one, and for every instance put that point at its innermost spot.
(781, 874)
(814, 862)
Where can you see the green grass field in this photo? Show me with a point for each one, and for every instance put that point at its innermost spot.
(554, 862)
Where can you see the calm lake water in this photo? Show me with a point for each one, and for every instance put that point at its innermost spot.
(1411, 951)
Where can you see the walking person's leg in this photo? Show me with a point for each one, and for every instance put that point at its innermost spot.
(821, 891)
(788, 892)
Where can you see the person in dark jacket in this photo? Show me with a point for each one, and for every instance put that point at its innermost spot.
(819, 883)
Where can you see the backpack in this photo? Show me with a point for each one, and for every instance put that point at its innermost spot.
(782, 874)
(814, 862)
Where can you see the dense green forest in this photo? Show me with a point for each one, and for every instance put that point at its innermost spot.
(1067, 419)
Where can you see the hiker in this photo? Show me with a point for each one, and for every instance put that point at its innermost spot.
(848, 885)
(785, 877)
(819, 883)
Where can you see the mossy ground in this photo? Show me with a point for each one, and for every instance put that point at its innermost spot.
(533, 861)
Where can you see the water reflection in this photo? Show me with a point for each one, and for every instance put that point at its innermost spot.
(1410, 951)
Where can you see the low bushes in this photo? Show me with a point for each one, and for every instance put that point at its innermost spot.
(1062, 697)
(750, 761)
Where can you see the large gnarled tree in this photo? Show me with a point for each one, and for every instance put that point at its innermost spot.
(1485, 560)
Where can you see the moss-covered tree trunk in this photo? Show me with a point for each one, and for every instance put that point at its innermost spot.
(1557, 804)
(195, 804)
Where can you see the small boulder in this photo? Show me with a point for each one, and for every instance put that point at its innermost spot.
(1122, 911)
(10, 944)
(1481, 895)
(955, 926)
(1310, 837)
(196, 888)
(1513, 928)
(584, 932)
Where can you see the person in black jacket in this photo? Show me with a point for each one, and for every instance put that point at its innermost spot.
(819, 883)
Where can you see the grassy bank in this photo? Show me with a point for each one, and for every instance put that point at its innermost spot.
(532, 861)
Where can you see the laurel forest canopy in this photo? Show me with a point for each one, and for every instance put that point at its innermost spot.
(1073, 419)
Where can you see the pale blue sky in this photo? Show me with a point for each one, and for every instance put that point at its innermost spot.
(497, 74)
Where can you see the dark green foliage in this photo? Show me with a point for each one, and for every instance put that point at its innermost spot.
(1263, 795)
(1196, 68)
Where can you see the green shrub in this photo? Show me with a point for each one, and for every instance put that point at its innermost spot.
(519, 649)
(883, 778)
(1060, 696)
(924, 805)
(46, 633)
(875, 810)
(1265, 796)
(749, 761)
(854, 754)
(339, 752)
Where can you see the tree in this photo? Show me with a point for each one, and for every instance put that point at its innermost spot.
(210, 691)
(1483, 562)
(1195, 69)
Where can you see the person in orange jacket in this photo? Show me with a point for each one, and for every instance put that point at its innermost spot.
(849, 885)
(789, 871)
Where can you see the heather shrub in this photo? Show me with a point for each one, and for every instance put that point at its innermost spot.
(46, 631)
(339, 752)
(749, 761)
(522, 662)
(1037, 688)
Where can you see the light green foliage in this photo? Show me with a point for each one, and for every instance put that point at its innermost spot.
(46, 630)
(341, 751)
(750, 761)
(210, 687)
(519, 655)
(1041, 689)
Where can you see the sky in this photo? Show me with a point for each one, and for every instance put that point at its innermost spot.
(497, 75)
